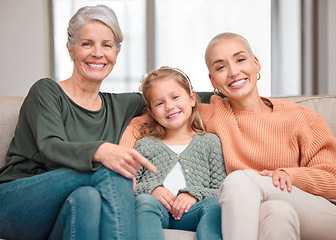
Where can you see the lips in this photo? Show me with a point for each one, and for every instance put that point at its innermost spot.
(96, 65)
(237, 83)
(173, 115)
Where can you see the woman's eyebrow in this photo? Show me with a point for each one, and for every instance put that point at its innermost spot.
(237, 53)
(221, 60)
(217, 61)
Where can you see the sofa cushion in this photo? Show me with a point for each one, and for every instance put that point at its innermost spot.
(171, 234)
(325, 105)
(9, 112)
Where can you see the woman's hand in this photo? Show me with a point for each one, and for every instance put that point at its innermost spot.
(279, 177)
(182, 204)
(123, 160)
(164, 196)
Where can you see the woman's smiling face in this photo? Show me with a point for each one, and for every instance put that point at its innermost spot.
(94, 53)
(233, 69)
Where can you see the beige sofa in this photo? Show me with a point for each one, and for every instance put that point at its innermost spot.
(9, 110)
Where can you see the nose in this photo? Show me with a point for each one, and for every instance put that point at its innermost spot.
(97, 52)
(233, 71)
(169, 105)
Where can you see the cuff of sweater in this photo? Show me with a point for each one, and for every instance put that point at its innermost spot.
(197, 195)
(147, 190)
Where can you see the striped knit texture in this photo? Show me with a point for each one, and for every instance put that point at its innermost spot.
(293, 138)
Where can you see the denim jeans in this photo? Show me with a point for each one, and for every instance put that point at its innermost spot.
(203, 217)
(66, 204)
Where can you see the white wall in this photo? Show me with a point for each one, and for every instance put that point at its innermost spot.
(24, 41)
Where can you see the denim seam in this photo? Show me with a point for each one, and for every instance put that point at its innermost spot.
(116, 216)
(73, 218)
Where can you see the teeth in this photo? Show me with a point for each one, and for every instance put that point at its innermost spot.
(171, 116)
(237, 83)
(96, 65)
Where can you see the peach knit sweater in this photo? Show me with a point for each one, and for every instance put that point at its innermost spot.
(293, 138)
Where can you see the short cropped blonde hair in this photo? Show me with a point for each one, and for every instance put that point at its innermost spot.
(222, 36)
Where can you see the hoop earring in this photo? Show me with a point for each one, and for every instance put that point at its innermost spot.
(216, 91)
(258, 76)
(72, 59)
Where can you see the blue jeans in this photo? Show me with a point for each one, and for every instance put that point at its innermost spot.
(66, 204)
(203, 217)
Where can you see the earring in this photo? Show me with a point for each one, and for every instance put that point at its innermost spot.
(258, 76)
(72, 59)
(216, 91)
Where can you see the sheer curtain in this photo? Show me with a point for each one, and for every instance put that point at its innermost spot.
(303, 47)
(174, 33)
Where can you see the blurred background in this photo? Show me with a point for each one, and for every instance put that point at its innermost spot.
(294, 41)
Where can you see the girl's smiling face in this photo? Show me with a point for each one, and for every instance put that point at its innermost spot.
(171, 105)
(233, 69)
(94, 53)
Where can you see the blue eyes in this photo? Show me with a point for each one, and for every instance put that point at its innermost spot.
(161, 103)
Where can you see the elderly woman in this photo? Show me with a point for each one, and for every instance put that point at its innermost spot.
(280, 157)
(65, 175)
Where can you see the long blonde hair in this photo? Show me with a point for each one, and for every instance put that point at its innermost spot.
(152, 127)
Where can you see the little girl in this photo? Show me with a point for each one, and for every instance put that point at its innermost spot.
(190, 165)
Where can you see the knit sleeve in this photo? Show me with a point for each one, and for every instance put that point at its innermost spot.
(316, 173)
(217, 171)
(146, 181)
(206, 111)
(132, 131)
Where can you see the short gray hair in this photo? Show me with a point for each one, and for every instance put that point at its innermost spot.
(100, 13)
(222, 36)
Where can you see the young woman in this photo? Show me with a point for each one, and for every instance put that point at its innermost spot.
(190, 166)
(280, 157)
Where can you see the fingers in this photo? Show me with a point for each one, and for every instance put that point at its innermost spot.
(167, 202)
(144, 162)
(164, 196)
(122, 169)
(182, 204)
(124, 165)
(266, 173)
(282, 179)
(123, 160)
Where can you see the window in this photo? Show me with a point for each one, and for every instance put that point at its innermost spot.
(178, 37)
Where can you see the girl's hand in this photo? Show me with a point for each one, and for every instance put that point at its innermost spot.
(182, 204)
(123, 160)
(279, 177)
(164, 196)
